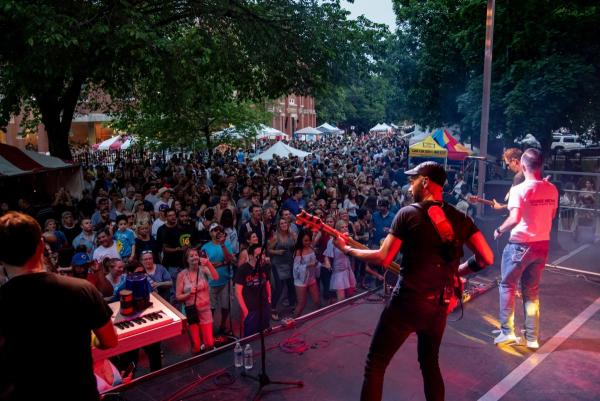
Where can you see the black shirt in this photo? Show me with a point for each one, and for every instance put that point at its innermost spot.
(45, 337)
(250, 278)
(147, 245)
(71, 233)
(171, 237)
(259, 229)
(424, 266)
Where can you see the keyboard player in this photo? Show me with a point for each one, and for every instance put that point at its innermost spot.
(40, 340)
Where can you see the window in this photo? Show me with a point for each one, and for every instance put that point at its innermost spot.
(292, 100)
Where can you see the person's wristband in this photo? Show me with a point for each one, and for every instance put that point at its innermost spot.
(347, 250)
(497, 231)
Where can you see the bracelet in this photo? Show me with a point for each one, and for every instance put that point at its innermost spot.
(473, 265)
(497, 230)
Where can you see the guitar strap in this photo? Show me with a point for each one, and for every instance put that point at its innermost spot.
(452, 292)
(440, 222)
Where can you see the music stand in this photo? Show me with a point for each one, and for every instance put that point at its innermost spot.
(263, 379)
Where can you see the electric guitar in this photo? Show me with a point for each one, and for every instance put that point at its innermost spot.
(477, 199)
(316, 224)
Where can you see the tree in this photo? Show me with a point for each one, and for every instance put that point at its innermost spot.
(53, 53)
(361, 94)
(185, 101)
(545, 72)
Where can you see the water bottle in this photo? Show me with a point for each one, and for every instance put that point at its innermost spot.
(238, 355)
(248, 363)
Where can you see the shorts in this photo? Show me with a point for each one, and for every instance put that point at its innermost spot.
(219, 297)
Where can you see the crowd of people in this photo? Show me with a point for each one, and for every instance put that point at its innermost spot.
(220, 233)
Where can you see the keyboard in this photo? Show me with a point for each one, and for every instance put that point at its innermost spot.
(155, 323)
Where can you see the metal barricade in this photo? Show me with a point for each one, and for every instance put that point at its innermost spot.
(579, 203)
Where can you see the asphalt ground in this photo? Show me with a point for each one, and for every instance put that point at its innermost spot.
(337, 340)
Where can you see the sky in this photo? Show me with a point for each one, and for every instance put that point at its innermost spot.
(380, 11)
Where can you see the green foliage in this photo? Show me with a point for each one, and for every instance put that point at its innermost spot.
(362, 93)
(545, 72)
(53, 53)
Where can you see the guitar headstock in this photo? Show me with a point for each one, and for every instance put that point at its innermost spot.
(308, 220)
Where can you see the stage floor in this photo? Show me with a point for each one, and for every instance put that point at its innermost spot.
(564, 368)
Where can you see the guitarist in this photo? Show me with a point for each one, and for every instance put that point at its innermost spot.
(512, 160)
(430, 234)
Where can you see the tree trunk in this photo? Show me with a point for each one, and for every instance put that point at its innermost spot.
(58, 140)
(208, 143)
(57, 114)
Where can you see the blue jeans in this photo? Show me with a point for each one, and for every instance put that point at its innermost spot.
(523, 262)
(407, 313)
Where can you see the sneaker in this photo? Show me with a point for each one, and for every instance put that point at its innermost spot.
(505, 338)
(533, 344)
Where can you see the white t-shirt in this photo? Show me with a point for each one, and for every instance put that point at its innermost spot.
(156, 225)
(538, 201)
(101, 252)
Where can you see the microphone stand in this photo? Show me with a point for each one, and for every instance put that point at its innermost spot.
(262, 378)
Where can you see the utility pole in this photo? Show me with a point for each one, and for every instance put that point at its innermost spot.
(485, 103)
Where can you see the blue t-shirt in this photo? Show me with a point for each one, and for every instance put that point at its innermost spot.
(125, 240)
(379, 223)
(215, 255)
(89, 244)
(160, 274)
(293, 205)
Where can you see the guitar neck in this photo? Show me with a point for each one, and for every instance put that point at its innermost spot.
(315, 224)
(393, 267)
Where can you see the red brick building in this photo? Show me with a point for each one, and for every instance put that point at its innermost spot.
(292, 112)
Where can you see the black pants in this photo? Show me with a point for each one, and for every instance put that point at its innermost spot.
(152, 352)
(407, 313)
(278, 285)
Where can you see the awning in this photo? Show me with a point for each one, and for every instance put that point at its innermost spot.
(427, 148)
(14, 161)
(456, 151)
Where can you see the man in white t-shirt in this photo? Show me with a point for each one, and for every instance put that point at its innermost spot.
(532, 205)
(107, 247)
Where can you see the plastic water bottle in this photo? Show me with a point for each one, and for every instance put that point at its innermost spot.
(238, 355)
(248, 362)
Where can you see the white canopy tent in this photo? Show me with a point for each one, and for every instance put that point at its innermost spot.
(128, 142)
(329, 129)
(381, 128)
(271, 133)
(308, 134)
(282, 150)
(105, 145)
(263, 132)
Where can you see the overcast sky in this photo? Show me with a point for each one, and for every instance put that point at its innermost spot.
(380, 11)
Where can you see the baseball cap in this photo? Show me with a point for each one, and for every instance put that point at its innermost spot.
(432, 170)
(214, 226)
(80, 259)
(163, 207)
